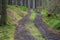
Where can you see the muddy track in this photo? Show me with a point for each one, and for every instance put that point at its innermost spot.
(21, 32)
(48, 34)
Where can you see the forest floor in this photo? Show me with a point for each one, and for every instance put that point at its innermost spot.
(23, 34)
(24, 27)
(21, 31)
(24, 24)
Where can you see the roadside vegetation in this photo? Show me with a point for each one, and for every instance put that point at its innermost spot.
(7, 31)
(53, 21)
(33, 16)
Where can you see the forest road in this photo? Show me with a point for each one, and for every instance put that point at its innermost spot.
(48, 34)
(21, 32)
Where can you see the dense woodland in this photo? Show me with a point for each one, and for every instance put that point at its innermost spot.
(30, 19)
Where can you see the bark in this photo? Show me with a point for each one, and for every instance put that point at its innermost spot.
(29, 4)
(4, 12)
(0, 6)
(21, 2)
(18, 2)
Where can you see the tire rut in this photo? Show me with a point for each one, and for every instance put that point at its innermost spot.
(48, 34)
(21, 32)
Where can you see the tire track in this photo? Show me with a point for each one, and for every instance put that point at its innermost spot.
(48, 34)
(21, 32)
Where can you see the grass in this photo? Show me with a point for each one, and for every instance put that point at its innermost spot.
(52, 21)
(44, 12)
(34, 31)
(33, 15)
(7, 31)
(14, 14)
(19, 9)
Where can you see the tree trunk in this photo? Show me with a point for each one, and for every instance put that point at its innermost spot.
(10, 2)
(0, 6)
(29, 4)
(4, 12)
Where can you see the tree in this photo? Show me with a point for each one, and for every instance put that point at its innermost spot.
(0, 6)
(10, 2)
(4, 12)
(54, 6)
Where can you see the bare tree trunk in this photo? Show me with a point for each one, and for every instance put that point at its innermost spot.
(26, 3)
(29, 4)
(21, 2)
(0, 6)
(4, 12)
(10, 2)
(33, 4)
(18, 2)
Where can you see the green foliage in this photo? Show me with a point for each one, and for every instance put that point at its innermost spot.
(39, 8)
(21, 8)
(18, 9)
(6, 32)
(44, 12)
(33, 15)
(52, 21)
(58, 26)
